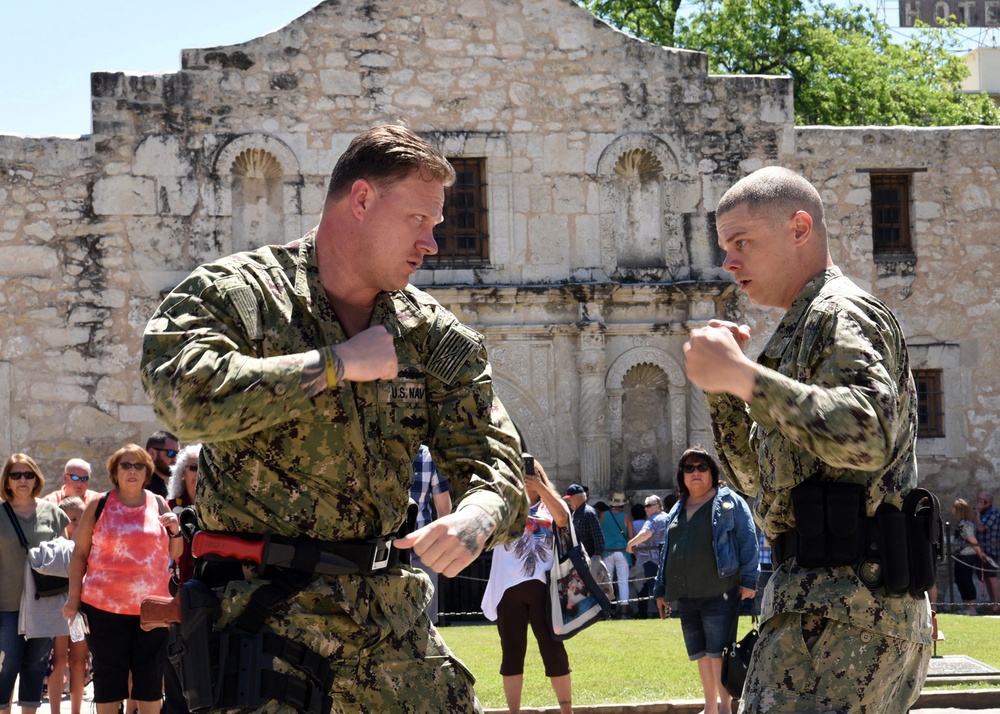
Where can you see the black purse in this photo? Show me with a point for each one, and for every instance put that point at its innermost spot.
(736, 659)
(45, 585)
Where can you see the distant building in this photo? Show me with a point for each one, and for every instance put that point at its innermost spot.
(984, 72)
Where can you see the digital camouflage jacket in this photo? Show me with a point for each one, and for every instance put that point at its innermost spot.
(835, 400)
(338, 465)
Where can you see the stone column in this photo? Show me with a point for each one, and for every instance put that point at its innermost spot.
(595, 442)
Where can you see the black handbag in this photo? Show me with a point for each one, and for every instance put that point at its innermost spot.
(736, 659)
(45, 585)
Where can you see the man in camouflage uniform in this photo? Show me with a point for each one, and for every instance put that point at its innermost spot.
(312, 372)
(831, 396)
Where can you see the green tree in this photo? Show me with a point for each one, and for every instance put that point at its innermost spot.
(651, 20)
(845, 68)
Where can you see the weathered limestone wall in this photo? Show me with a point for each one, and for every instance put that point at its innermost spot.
(948, 301)
(605, 157)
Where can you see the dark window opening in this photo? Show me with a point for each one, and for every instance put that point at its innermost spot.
(463, 236)
(891, 214)
(930, 402)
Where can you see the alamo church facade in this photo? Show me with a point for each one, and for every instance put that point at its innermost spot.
(581, 241)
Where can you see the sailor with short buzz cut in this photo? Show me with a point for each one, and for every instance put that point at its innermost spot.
(821, 430)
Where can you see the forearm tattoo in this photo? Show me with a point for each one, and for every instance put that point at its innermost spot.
(313, 373)
(475, 529)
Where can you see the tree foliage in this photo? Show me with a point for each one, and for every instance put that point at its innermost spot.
(845, 67)
(651, 20)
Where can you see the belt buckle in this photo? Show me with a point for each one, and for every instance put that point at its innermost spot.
(380, 556)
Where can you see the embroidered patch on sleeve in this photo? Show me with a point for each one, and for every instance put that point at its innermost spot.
(240, 296)
(452, 352)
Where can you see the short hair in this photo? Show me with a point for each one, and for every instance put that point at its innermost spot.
(80, 463)
(775, 191)
(384, 155)
(140, 453)
(30, 463)
(159, 438)
(701, 454)
(653, 499)
(72, 503)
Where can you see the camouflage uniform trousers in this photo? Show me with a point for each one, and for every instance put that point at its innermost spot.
(375, 668)
(803, 663)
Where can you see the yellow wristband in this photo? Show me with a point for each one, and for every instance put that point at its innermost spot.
(330, 365)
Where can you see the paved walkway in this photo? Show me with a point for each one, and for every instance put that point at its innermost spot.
(931, 702)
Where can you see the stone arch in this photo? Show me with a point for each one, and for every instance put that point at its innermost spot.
(258, 179)
(647, 398)
(641, 227)
(531, 419)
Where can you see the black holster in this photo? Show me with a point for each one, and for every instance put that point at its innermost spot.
(232, 667)
(191, 644)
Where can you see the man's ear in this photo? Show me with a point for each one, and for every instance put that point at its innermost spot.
(802, 223)
(362, 193)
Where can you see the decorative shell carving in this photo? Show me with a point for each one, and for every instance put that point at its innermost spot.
(258, 164)
(638, 163)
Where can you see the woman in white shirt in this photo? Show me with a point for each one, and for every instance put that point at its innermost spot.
(516, 595)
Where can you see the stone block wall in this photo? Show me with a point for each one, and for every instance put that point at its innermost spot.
(605, 157)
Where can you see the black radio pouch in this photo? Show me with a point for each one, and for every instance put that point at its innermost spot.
(925, 531)
(910, 543)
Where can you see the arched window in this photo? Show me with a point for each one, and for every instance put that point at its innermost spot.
(258, 215)
(645, 428)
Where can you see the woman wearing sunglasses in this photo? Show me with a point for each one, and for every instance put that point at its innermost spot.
(708, 564)
(39, 521)
(180, 495)
(120, 558)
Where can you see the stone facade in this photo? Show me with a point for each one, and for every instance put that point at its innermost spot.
(605, 157)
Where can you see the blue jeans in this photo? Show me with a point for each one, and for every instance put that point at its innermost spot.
(27, 658)
(707, 623)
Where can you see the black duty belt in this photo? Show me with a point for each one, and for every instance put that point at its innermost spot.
(305, 555)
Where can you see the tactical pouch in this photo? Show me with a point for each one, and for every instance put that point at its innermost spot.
(844, 517)
(810, 522)
(893, 549)
(829, 519)
(925, 533)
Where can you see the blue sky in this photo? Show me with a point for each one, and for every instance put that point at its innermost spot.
(48, 48)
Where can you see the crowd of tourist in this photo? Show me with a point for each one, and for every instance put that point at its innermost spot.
(75, 555)
(124, 545)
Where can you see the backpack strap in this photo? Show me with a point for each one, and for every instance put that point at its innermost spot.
(100, 506)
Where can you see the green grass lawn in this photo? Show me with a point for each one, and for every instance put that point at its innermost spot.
(627, 661)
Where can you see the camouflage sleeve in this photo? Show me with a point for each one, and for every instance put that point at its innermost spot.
(473, 440)
(732, 428)
(200, 367)
(842, 406)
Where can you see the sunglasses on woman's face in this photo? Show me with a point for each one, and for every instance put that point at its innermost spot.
(127, 466)
(691, 468)
(18, 475)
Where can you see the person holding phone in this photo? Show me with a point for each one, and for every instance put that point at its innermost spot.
(516, 593)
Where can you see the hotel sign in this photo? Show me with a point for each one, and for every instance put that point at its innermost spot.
(974, 13)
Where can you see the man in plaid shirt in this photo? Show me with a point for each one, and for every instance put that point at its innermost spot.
(431, 492)
(989, 537)
(585, 521)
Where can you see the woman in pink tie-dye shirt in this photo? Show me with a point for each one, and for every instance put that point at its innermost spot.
(125, 555)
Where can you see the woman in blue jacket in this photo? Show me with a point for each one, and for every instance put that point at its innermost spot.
(707, 565)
